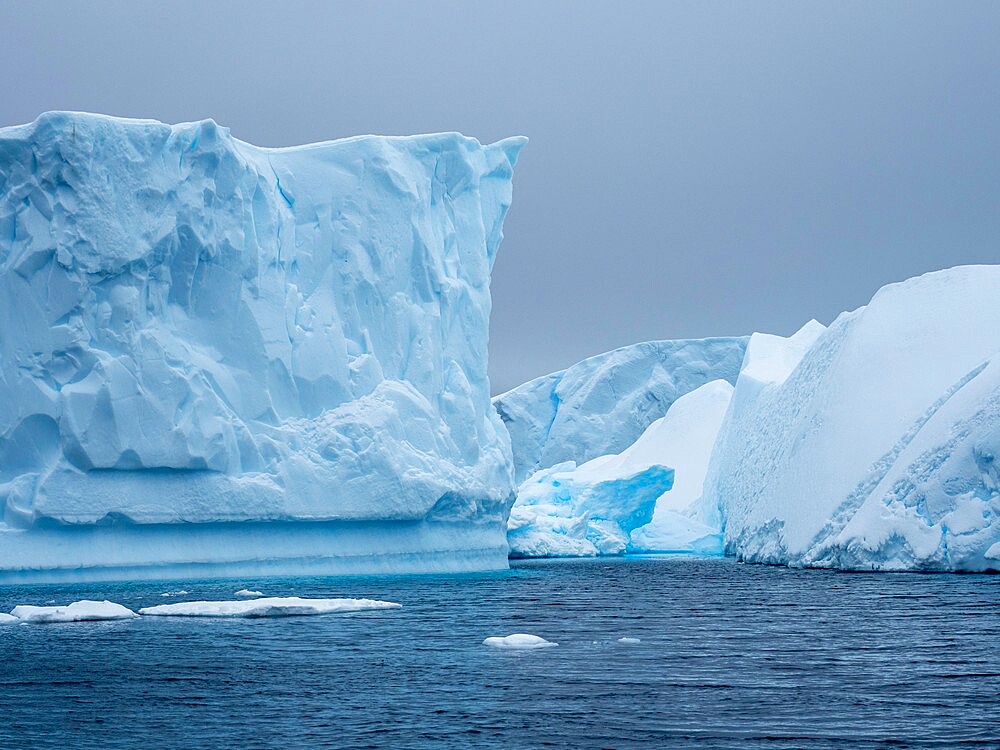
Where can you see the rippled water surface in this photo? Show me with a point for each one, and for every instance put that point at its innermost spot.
(729, 656)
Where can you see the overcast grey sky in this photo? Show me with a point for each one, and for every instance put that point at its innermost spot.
(695, 169)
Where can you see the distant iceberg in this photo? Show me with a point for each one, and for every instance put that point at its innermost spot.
(219, 359)
(878, 452)
(602, 404)
(642, 511)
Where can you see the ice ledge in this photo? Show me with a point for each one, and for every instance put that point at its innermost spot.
(216, 550)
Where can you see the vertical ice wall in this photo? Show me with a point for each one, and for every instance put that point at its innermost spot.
(879, 450)
(198, 331)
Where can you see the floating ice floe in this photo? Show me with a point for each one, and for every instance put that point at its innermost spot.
(522, 641)
(274, 606)
(174, 593)
(629, 640)
(247, 593)
(6, 619)
(76, 612)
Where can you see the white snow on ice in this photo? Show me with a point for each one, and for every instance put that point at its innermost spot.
(81, 611)
(518, 641)
(275, 606)
(878, 451)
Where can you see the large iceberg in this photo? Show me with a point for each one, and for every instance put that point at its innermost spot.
(602, 404)
(224, 359)
(878, 451)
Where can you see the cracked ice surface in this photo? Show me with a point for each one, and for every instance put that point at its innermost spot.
(878, 452)
(199, 331)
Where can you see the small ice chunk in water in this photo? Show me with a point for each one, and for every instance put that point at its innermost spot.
(75, 612)
(273, 606)
(629, 640)
(522, 641)
(6, 619)
(248, 593)
(182, 592)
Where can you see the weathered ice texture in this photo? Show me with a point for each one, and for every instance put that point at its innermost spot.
(200, 336)
(602, 404)
(878, 452)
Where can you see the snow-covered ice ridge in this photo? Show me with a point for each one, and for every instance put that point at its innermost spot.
(878, 452)
(219, 358)
(602, 404)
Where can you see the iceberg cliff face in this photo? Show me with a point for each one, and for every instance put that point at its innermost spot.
(602, 404)
(878, 452)
(199, 334)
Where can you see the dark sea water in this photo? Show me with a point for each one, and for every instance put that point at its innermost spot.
(730, 656)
